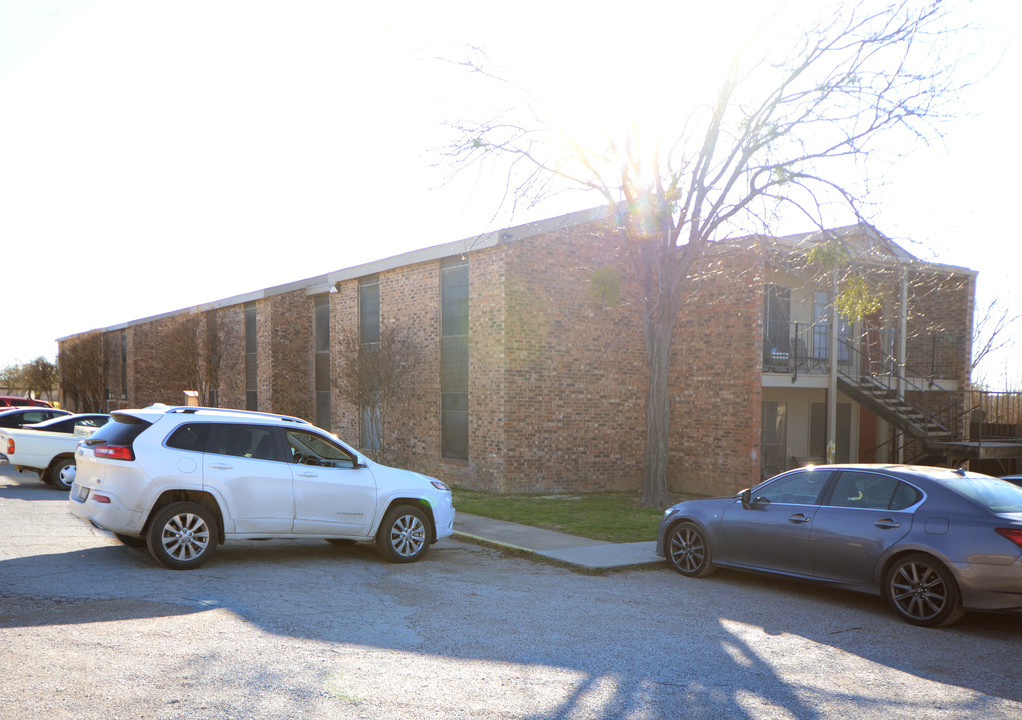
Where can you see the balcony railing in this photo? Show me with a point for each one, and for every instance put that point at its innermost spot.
(804, 348)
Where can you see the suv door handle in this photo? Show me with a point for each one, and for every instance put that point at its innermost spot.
(308, 474)
(221, 466)
(887, 524)
(798, 518)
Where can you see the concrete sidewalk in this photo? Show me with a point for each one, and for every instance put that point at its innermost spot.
(583, 552)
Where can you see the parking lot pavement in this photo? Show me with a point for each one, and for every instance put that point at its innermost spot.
(92, 629)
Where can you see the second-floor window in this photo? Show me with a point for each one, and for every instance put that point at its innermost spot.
(322, 361)
(251, 374)
(454, 358)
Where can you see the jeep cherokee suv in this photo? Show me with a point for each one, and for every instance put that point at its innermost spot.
(183, 480)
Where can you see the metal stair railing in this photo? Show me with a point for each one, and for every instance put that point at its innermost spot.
(891, 389)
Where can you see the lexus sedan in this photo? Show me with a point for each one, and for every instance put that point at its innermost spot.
(935, 542)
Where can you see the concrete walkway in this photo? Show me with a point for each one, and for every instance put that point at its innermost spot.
(582, 552)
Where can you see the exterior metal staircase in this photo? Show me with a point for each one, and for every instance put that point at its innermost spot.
(886, 395)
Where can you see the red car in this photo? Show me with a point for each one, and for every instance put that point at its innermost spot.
(9, 401)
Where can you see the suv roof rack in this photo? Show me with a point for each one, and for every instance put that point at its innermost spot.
(192, 409)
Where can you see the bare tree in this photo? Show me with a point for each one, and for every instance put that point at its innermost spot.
(192, 354)
(12, 378)
(181, 358)
(787, 123)
(40, 377)
(84, 364)
(370, 377)
(992, 330)
(209, 372)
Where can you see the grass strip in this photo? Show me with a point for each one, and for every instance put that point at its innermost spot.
(608, 516)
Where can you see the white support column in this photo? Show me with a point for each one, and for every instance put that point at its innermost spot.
(832, 384)
(902, 354)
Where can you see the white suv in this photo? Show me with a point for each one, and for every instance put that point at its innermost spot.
(184, 479)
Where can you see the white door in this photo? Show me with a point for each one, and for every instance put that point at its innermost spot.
(332, 496)
(245, 465)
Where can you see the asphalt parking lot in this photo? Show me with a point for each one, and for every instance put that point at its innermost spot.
(92, 629)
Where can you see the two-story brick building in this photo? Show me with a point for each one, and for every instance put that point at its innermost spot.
(529, 371)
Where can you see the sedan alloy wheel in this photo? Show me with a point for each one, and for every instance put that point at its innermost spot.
(922, 591)
(688, 551)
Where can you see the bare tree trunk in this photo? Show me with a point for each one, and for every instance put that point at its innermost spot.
(658, 421)
(663, 270)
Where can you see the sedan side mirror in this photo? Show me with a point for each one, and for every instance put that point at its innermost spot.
(746, 497)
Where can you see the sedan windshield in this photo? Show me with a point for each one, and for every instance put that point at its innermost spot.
(999, 496)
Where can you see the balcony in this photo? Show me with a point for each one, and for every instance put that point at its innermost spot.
(803, 349)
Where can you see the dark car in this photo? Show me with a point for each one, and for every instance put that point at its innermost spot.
(1013, 479)
(19, 417)
(67, 423)
(933, 541)
(10, 401)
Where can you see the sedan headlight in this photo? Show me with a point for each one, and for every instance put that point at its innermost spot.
(670, 511)
(440, 485)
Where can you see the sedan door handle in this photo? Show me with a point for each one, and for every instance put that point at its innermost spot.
(798, 518)
(887, 524)
(307, 474)
(221, 466)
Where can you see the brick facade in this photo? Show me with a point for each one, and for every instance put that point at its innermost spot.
(557, 372)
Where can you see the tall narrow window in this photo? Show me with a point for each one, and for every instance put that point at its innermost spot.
(124, 364)
(369, 341)
(369, 309)
(454, 358)
(776, 317)
(251, 376)
(322, 367)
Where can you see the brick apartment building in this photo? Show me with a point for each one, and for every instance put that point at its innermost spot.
(528, 378)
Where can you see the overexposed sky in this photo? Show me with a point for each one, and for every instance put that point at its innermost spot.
(158, 155)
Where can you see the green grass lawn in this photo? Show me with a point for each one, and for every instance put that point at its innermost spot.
(610, 516)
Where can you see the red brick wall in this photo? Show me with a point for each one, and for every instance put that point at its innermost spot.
(574, 371)
(410, 303)
(716, 379)
(287, 326)
(941, 304)
(156, 370)
(231, 327)
(343, 324)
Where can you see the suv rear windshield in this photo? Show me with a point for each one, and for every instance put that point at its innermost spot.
(121, 430)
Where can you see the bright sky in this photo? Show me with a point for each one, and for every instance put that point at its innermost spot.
(158, 155)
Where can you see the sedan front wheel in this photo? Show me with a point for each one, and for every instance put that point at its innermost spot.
(687, 550)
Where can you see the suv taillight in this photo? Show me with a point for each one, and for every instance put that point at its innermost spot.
(1013, 534)
(10, 446)
(114, 452)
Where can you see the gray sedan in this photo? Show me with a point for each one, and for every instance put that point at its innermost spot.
(934, 541)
